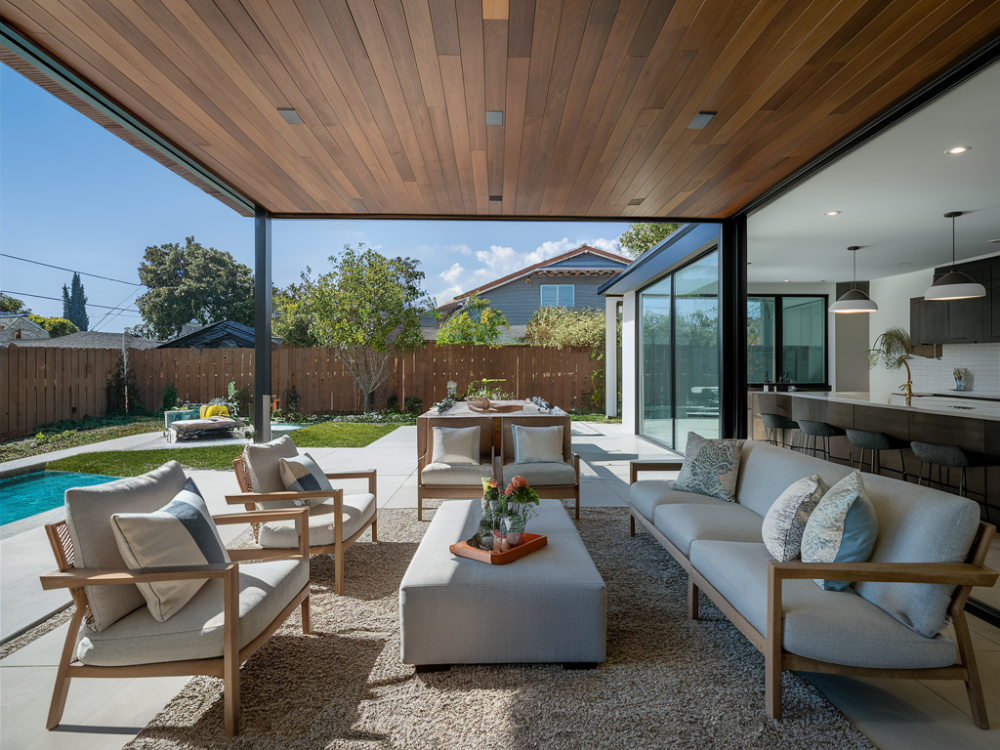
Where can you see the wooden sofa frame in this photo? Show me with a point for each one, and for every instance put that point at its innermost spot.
(964, 576)
(226, 667)
(249, 499)
(506, 457)
(425, 450)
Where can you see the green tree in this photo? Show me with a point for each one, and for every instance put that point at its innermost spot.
(55, 327)
(559, 327)
(292, 319)
(478, 323)
(192, 282)
(11, 305)
(641, 237)
(75, 304)
(366, 308)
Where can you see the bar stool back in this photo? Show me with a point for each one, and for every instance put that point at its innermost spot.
(950, 456)
(820, 432)
(775, 422)
(876, 442)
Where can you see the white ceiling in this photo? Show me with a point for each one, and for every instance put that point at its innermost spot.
(892, 193)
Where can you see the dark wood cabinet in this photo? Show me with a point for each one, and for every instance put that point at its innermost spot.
(966, 321)
(928, 322)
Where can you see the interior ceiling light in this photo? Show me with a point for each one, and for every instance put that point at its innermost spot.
(954, 284)
(958, 150)
(494, 117)
(854, 300)
(701, 120)
(831, 213)
(291, 116)
(636, 201)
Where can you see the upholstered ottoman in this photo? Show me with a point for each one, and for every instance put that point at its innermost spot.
(550, 606)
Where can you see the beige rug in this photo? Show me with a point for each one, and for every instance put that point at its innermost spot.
(668, 682)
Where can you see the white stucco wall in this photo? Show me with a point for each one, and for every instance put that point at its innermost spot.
(630, 378)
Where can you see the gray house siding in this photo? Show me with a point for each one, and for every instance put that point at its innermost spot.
(518, 300)
(586, 260)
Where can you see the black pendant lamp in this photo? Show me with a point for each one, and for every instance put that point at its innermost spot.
(854, 300)
(954, 284)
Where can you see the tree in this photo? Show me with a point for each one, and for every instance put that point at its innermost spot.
(55, 327)
(292, 319)
(75, 304)
(12, 305)
(558, 327)
(641, 237)
(192, 282)
(478, 323)
(366, 308)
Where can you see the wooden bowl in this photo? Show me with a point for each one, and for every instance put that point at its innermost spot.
(478, 404)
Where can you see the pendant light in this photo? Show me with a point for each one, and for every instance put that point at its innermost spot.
(854, 300)
(954, 284)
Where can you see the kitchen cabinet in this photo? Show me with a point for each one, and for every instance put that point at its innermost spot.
(965, 321)
(928, 322)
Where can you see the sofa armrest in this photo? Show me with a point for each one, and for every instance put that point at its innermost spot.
(958, 574)
(369, 474)
(576, 467)
(299, 515)
(636, 466)
(75, 578)
(249, 498)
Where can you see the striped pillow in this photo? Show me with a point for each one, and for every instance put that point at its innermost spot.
(180, 533)
(302, 474)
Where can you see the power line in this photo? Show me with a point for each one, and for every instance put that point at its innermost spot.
(57, 299)
(131, 294)
(71, 270)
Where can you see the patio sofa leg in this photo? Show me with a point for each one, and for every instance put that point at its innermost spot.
(692, 599)
(576, 468)
(631, 524)
(306, 623)
(231, 653)
(62, 679)
(973, 686)
(420, 503)
(772, 648)
(375, 527)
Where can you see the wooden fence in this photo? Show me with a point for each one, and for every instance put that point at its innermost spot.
(39, 385)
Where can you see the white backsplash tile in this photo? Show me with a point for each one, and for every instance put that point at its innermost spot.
(936, 375)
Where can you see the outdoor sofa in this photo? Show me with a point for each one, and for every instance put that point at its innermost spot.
(928, 554)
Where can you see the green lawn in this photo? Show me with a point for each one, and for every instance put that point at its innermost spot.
(133, 463)
(70, 433)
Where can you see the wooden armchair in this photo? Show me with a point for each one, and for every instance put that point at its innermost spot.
(334, 525)
(140, 623)
(435, 480)
(554, 480)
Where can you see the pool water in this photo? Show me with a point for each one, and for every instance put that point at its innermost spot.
(29, 494)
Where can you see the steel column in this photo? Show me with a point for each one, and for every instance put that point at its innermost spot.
(262, 325)
(733, 328)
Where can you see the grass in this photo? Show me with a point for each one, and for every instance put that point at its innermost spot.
(219, 457)
(599, 418)
(71, 433)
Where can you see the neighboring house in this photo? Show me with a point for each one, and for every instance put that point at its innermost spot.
(18, 328)
(227, 334)
(567, 280)
(92, 340)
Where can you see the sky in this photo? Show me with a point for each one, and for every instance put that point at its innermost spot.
(73, 195)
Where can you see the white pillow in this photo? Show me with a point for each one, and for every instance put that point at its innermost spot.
(537, 445)
(786, 519)
(180, 533)
(456, 446)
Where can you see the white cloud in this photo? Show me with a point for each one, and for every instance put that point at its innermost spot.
(463, 249)
(452, 274)
(446, 294)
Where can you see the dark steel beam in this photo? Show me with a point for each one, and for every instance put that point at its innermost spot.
(733, 329)
(262, 326)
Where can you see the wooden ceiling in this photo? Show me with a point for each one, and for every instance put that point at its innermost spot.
(596, 95)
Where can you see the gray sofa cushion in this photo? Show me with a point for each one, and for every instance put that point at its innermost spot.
(832, 626)
(647, 495)
(729, 522)
(88, 516)
(322, 518)
(445, 475)
(197, 631)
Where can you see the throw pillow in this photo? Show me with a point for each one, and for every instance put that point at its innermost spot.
(786, 519)
(843, 528)
(302, 474)
(456, 446)
(711, 467)
(180, 533)
(538, 445)
(261, 462)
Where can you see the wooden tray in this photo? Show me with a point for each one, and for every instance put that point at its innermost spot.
(529, 543)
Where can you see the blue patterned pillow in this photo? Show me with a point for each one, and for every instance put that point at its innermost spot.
(302, 474)
(711, 467)
(843, 528)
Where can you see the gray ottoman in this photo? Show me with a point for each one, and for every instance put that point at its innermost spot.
(550, 606)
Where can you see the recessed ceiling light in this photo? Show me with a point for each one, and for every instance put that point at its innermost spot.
(494, 117)
(831, 213)
(902, 264)
(496, 198)
(958, 150)
(788, 281)
(636, 201)
(291, 116)
(701, 120)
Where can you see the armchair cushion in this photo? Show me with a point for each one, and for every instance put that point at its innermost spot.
(537, 444)
(301, 474)
(180, 533)
(198, 630)
(438, 475)
(262, 462)
(88, 516)
(547, 474)
(322, 518)
(456, 446)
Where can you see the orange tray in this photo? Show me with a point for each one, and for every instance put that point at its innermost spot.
(529, 543)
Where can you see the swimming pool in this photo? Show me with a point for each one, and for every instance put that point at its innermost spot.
(29, 494)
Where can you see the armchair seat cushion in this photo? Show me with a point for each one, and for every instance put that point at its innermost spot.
(322, 518)
(197, 631)
(446, 475)
(832, 626)
(542, 474)
(649, 494)
(728, 522)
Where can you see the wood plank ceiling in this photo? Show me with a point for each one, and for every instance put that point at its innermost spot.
(596, 95)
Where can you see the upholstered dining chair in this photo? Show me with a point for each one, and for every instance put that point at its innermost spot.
(336, 520)
(549, 464)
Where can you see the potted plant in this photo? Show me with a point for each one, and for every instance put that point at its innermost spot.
(893, 349)
(520, 499)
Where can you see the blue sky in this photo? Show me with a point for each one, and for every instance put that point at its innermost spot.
(73, 195)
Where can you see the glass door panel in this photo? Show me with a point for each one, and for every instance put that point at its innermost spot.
(656, 364)
(803, 338)
(760, 340)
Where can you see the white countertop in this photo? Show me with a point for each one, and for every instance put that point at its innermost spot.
(953, 407)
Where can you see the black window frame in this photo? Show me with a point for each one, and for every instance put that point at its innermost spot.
(779, 333)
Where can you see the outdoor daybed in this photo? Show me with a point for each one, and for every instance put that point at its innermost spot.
(928, 554)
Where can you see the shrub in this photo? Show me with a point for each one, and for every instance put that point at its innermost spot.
(169, 397)
(487, 388)
(414, 405)
(559, 327)
(392, 403)
(242, 399)
(122, 389)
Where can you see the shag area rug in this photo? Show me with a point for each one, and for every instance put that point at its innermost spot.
(668, 682)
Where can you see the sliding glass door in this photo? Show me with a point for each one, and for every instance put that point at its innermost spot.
(787, 339)
(679, 355)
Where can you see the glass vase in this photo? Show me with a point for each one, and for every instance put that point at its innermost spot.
(500, 543)
(515, 524)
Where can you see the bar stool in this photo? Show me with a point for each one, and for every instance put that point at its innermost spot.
(950, 456)
(819, 432)
(775, 422)
(876, 442)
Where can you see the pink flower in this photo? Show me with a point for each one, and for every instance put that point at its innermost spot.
(518, 482)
